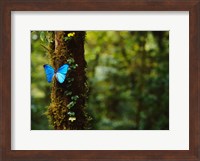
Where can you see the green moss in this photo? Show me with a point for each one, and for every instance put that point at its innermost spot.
(67, 107)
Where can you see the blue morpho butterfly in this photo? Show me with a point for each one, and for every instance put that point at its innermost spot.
(60, 74)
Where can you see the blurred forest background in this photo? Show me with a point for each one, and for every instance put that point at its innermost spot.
(128, 79)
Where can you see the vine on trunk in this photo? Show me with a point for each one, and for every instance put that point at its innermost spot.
(67, 107)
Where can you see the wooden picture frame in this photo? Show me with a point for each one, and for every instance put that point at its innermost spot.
(6, 154)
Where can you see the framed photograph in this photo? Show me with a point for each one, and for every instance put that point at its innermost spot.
(99, 80)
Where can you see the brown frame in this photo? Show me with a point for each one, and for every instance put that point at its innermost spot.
(6, 6)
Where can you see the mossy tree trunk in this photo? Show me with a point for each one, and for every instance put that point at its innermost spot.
(67, 107)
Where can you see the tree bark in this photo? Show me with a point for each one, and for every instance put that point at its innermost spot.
(67, 107)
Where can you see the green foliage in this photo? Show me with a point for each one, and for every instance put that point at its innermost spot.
(40, 89)
(128, 79)
(46, 36)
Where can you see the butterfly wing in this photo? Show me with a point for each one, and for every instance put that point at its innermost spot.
(49, 71)
(61, 73)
